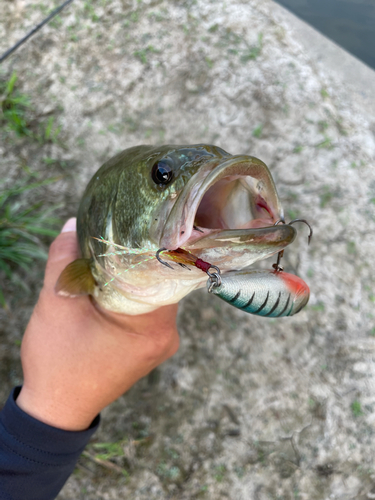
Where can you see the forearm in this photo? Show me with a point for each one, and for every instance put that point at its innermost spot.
(36, 459)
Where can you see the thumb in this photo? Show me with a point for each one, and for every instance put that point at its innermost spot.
(63, 250)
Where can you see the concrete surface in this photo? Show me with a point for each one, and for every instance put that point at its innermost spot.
(249, 408)
(331, 59)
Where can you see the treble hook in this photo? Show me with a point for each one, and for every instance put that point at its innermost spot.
(184, 266)
(278, 222)
(160, 260)
(277, 265)
(214, 277)
(305, 221)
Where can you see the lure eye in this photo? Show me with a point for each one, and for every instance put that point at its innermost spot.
(162, 173)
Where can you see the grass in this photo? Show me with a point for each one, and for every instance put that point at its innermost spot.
(257, 132)
(51, 132)
(351, 248)
(23, 227)
(143, 54)
(213, 28)
(14, 106)
(25, 223)
(319, 307)
(107, 451)
(310, 273)
(220, 472)
(16, 115)
(326, 197)
(89, 11)
(356, 409)
(209, 62)
(166, 472)
(253, 52)
(322, 125)
(107, 455)
(326, 143)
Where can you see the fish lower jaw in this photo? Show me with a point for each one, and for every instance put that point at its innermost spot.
(116, 300)
(206, 236)
(199, 232)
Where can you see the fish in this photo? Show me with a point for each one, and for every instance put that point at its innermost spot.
(270, 293)
(221, 208)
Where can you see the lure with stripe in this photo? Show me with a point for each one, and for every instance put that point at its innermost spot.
(264, 293)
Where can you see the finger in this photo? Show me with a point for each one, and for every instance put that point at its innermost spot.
(70, 225)
(62, 251)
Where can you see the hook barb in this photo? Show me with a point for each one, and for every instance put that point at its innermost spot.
(159, 258)
(184, 266)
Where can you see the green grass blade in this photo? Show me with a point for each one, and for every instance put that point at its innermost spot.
(11, 83)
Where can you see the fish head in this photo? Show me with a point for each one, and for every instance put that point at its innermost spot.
(181, 196)
(223, 208)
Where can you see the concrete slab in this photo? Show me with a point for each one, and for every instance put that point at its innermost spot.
(330, 58)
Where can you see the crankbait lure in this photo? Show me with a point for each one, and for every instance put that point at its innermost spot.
(265, 293)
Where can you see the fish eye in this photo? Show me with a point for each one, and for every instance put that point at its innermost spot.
(162, 173)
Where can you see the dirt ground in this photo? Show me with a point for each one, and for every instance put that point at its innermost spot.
(249, 408)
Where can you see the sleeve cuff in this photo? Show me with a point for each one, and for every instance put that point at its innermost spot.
(27, 435)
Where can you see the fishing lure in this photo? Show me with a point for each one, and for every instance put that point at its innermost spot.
(273, 293)
(265, 293)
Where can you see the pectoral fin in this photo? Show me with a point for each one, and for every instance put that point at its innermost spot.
(76, 279)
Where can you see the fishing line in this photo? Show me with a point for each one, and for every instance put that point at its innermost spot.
(135, 251)
(124, 251)
(34, 30)
(125, 270)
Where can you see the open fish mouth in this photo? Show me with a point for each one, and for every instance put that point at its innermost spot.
(229, 204)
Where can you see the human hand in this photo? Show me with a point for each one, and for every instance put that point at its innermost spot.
(78, 358)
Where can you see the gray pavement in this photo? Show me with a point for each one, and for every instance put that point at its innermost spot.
(358, 78)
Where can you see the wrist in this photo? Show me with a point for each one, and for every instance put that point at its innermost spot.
(54, 412)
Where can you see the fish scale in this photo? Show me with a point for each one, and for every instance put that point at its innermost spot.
(265, 293)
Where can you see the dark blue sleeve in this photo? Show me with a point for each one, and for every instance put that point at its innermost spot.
(35, 459)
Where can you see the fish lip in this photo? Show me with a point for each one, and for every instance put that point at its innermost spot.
(178, 228)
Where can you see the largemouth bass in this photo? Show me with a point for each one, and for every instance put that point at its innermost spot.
(220, 207)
